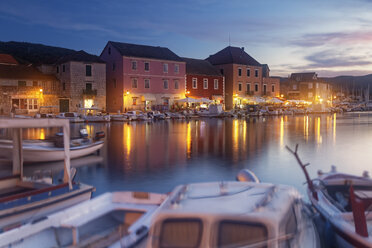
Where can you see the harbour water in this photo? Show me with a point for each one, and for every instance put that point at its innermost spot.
(157, 156)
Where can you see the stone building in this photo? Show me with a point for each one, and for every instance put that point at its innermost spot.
(270, 85)
(243, 74)
(306, 86)
(203, 80)
(24, 88)
(76, 79)
(142, 77)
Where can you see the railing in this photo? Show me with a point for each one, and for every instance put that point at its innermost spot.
(90, 92)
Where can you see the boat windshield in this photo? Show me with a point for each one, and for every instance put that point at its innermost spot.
(177, 233)
(238, 234)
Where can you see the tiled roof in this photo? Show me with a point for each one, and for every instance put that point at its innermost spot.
(80, 56)
(200, 67)
(23, 72)
(232, 55)
(303, 76)
(142, 51)
(8, 59)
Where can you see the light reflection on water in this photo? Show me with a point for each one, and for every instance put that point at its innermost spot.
(157, 156)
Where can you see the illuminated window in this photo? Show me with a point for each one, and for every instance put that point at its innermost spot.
(88, 103)
(134, 102)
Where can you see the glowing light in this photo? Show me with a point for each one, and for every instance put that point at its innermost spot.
(281, 130)
(187, 92)
(188, 140)
(334, 127)
(42, 134)
(127, 138)
(235, 130)
(320, 100)
(41, 90)
(319, 137)
(281, 95)
(88, 103)
(127, 92)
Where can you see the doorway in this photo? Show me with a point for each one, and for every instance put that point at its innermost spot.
(64, 105)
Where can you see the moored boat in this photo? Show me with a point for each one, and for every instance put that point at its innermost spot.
(71, 116)
(344, 202)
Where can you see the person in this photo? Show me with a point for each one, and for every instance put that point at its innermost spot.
(13, 110)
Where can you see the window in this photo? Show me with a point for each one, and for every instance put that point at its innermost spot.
(310, 85)
(264, 89)
(256, 87)
(88, 86)
(113, 67)
(165, 101)
(165, 84)
(57, 69)
(34, 83)
(177, 233)
(205, 83)
(176, 84)
(256, 72)
(310, 94)
(147, 66)
(273, 88)
(32, 104)
(147, 83)
(236, 234)
(194, 83)
(63, 68)
(165, 68)
(21, 83)
(114, 83)
(109, 50)
(317, 85)
(134, 65)
(248, 72)
(63, 86)
(240, 86)
(248, 87)
(134, 101)
(216, 84)
(134, 83)
(239, 72)
(221, 70)
(88, 70)
(294, 87)
(176, 68)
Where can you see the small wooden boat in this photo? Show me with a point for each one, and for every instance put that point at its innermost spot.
(232, 214)
(119, 219)
(51, 150)
(344, 202)
(25, 200)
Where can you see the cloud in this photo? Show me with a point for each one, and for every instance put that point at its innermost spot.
(337, 38)
(333, 58)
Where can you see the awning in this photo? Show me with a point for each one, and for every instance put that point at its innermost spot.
(148, 97)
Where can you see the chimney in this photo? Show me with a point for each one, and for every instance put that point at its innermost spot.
(242, 48)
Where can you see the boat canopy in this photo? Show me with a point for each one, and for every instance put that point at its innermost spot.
(17, 126)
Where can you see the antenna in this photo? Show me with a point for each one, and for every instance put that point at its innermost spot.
(229, 40)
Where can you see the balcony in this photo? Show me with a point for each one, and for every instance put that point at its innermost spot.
(89, 92)
(249, 93)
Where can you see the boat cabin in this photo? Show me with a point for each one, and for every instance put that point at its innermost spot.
(230, 214)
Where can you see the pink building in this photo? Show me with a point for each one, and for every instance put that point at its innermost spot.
(142, 77)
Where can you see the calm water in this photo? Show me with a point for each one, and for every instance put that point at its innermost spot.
(157, 156)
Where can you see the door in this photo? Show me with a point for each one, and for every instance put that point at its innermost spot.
(64, 105)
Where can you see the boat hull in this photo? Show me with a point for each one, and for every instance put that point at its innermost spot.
(46, 154)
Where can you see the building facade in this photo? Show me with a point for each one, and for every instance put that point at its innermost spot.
(270, 85)
(243, 75)
(142, 77)
(306, 86)
(203, 80)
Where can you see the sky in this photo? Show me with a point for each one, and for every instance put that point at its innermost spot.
(330, 37)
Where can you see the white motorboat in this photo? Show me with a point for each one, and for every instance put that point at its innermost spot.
(344, 202)
(71, 116)
(94, 115)
(133, 115)
(156, 115)
(119, 219)
(52, 150)
(214, 110)
(119, 117)
(25, 200)
(232, 214)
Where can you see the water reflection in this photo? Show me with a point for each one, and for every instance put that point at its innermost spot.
(157, 156)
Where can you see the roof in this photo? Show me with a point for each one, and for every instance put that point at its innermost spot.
(200, 67)
(23, 72)
(143, 51)
(8, 59)
(232, 55)
(80, 56)
(304, 76)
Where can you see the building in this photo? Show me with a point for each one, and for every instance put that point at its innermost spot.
(271, 85)
(306, 86)
(23, 87)
(203, 80)
(243, 75)
(75, 78)
(142, 77)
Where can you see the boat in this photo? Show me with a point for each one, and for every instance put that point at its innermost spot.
(94, 115)
(344, 203)
(119, 117)
(232, 214)
(214, 110)
(53, 149)
(156, 115)
(133, 115)
(71, 116)
(118, 219)
(24, 200)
